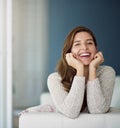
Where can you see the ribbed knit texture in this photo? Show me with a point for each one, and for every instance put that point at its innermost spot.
(98, 92)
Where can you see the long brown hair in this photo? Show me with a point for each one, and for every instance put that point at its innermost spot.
(66, 72)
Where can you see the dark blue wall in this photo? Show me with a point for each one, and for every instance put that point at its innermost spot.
(101, 16)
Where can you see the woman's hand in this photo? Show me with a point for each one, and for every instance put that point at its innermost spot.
(98, 59)
(76, 64)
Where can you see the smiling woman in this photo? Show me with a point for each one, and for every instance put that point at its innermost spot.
(81, 84)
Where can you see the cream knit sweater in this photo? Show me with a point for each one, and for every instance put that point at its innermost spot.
(98, 92)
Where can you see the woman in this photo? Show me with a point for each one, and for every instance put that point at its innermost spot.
(80, 83)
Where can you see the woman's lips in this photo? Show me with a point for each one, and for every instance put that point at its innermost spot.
(85, 57)
(85, 54)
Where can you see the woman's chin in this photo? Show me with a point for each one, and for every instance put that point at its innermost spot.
(86, 63)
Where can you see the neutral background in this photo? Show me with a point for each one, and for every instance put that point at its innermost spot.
(102, 16)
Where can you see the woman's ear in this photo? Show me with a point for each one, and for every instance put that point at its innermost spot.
(96, 49)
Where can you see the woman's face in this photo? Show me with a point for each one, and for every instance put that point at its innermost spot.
(83, 47)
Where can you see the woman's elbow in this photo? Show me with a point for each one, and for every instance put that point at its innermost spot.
(70, 114)
(99, 110)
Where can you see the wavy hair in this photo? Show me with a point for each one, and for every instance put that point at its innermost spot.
(67, 72)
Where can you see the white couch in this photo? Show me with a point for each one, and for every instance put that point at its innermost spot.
(85, 120)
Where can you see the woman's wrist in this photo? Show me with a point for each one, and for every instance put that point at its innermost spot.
(92, 73)
(80, 71)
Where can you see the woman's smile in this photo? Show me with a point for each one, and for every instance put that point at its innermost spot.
(85, 57)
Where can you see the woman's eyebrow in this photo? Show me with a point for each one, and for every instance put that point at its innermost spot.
(76, 41)
(89, 40)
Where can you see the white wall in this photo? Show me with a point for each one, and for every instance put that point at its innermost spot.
(5, 64)
(30, 45)
(1, 68)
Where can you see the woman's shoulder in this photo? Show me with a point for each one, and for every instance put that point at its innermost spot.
(106, 69)
(53, 80)
(54, 75)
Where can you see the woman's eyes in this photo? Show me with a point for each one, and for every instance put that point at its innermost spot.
(76, 44)
(89, 42)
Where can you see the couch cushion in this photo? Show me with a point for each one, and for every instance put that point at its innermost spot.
(45, 98)
(116, 94)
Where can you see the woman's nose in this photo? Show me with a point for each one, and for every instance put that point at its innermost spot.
(83, 47)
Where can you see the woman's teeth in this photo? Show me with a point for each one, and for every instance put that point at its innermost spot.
(84, 54)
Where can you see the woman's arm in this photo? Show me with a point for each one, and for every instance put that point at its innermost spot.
(67, 103)
(100, 90)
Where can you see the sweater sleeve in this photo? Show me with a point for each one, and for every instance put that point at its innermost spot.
(67, 103)
(100, 90)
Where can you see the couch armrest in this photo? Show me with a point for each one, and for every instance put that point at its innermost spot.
(116, 93)
(57, 120)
